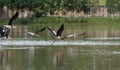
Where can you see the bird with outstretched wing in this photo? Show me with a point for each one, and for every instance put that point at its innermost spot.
(5, 29)
(14, 17)
(58, 35)
(36, 33)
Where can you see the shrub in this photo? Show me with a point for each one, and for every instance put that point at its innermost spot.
(40, 13)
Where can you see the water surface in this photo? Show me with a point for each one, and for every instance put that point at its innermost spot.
(97, 50)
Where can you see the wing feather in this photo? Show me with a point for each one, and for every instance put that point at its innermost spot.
(13, 18)
(40, 30)
(52, 31)
(60, 30)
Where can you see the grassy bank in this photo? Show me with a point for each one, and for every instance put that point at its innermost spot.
(60, 20)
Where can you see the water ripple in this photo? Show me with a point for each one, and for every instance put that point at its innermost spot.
(59, 43)
(104, 38)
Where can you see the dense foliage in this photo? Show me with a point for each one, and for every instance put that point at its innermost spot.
(49, 5)
(1, 3)
(21, 4)
(113, 6)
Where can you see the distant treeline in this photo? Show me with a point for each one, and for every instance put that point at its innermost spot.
(43, 7)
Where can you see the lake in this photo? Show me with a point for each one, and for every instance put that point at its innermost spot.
(97, 50)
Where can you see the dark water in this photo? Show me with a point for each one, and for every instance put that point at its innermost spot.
(60, 58)
(97, 50)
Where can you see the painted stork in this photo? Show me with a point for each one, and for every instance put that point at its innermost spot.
(58, 35)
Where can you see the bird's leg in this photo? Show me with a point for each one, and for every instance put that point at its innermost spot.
(54, 41)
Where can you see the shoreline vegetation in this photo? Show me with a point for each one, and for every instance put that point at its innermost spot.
(70, 20)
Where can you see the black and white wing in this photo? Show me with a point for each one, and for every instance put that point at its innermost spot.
(1, 28)
(13, 18)
(74, 35)
(4, 30)
(52, 31)
(60, 30)
(30, 33)
(40, 30)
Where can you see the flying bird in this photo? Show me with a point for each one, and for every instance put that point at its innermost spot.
(58, 35)
(36, 33)
(5, 29)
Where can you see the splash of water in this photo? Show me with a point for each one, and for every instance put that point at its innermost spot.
(57, 43)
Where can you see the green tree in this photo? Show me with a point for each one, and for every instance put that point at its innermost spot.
(77, 5)
(85, 6)
(94, 6)
(49, 6)
(22, 4)
(113, 6)
(1, 3)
